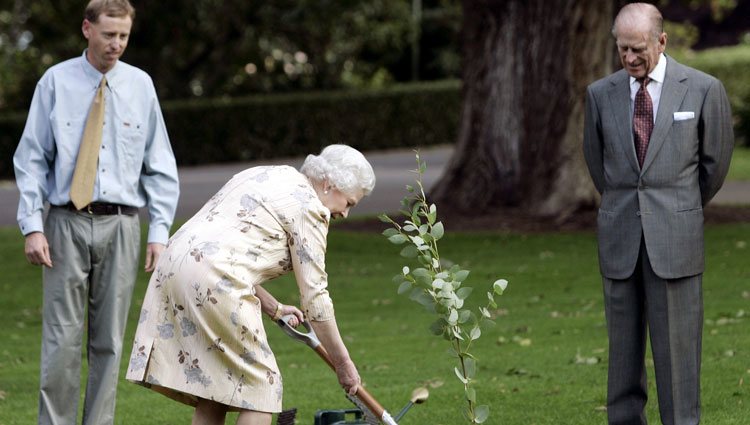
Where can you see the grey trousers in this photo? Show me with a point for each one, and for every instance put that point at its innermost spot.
(673, 311)
(95, 261)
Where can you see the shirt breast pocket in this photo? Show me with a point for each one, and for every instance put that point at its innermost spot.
(68, 132)
(131, 140)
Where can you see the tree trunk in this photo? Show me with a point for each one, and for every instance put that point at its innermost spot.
(526, 65)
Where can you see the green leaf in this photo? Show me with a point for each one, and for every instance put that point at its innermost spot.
(487, 323)
(409, 228)
(431, 217)
(471, 395)
(486, 313)
(453, 317)
(457, 334)
(415, 208)
(390, 232)
(437, 230)
(470, 365)
(460, 375)
(464, 293)
(438, 327)
(482, 413)
(464, 316)
(409, 251)
(416, 240)
(468, 414)
(423, 229)
(398, 239)
(499, 286)
(404, 287)
(384, 218)
(409, 188)
(424, 299)
(475, 333)
(438, 284)
(461, 275)
(421, 272)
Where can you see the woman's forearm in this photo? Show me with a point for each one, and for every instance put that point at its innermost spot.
(328, 334)
(268, 303)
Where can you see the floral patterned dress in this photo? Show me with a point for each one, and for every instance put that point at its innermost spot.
(200, 332)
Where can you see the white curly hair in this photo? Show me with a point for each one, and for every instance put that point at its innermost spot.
(344, 167)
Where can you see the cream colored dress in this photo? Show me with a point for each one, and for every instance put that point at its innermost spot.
(200, 332)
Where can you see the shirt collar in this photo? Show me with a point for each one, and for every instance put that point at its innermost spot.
(95, 76)
(659, 71)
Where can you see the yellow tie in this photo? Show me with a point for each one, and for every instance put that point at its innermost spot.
(82, 187)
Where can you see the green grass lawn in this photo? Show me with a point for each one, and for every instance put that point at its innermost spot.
(740, 166)
(543, 363)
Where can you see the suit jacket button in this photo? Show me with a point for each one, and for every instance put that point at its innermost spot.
(638, 213)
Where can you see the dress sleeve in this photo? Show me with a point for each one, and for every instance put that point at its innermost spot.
(307, 245)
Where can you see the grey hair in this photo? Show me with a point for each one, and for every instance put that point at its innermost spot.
(633, 11)
(344, 167)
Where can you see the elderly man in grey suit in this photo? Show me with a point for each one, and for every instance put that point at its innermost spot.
(657, 141)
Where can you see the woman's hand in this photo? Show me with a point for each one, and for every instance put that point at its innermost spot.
(286, 310)
(348, 376)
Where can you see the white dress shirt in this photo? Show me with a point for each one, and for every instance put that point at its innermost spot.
(654, 86)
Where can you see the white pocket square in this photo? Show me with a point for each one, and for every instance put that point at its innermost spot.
(682, 116)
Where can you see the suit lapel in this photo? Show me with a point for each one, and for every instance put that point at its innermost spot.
(619, 102)
(672, 93)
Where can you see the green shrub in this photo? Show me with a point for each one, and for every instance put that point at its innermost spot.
(272, 126)
(730, 65)
(742, 134)
(421, 114)
(260, 127)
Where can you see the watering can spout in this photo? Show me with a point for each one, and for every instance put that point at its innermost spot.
(418, 396)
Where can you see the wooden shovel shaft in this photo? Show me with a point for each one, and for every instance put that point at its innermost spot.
(361, 393)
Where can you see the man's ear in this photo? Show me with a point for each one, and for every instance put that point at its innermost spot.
(86, 28)
(663, 42)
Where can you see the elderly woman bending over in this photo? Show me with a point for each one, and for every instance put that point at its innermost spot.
(200, 338)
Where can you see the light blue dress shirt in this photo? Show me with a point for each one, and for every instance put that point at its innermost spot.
(136, 163)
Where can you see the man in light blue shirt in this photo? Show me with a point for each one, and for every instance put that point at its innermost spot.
(90, 256)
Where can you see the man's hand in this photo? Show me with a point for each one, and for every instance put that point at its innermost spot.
(153, 251)
(37, 249)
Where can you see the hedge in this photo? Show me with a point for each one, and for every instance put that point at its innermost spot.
(420, 114)
(260, 127)
(730, 65)
(282, 125)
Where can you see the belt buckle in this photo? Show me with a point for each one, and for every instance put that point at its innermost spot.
(89, 210)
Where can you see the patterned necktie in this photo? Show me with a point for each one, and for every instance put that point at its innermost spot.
(82, 186)
(643, 120)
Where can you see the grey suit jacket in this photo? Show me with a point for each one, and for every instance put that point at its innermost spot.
(685, 165)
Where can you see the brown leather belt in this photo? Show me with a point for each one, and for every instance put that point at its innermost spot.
(101, 208)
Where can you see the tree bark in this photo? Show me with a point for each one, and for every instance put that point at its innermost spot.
(526, 65)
